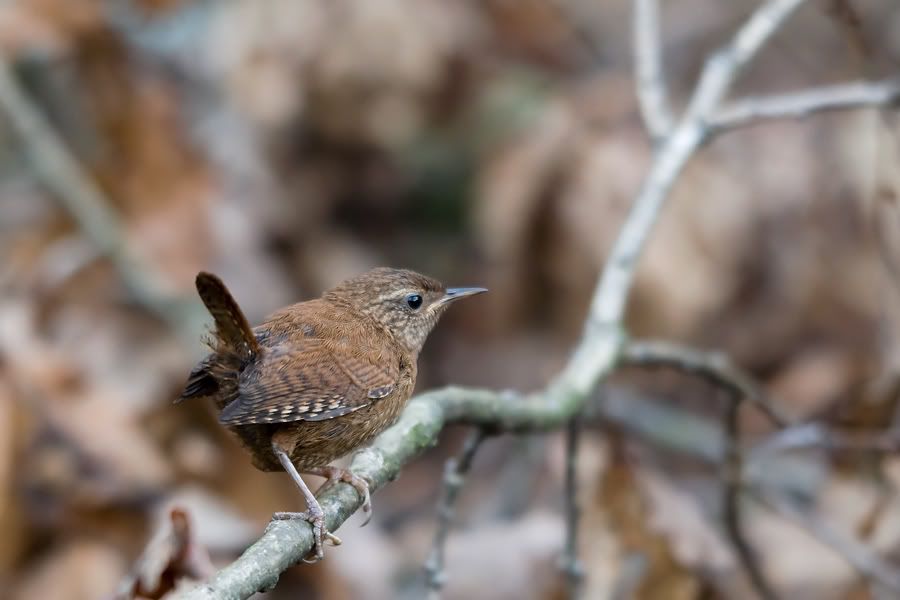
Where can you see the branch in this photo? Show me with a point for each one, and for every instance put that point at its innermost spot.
(455, 471)
(85, 202)
(285, 542)
(569, 563)
(724, 66)
(861, 558)
(715, 367)
(651, 84)
(731, 499)
(720, 72)
(751, 111)
(816, 436)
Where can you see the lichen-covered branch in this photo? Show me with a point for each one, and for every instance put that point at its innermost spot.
(285, 542)
(598, 352)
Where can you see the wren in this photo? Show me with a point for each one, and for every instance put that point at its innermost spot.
(318, 379)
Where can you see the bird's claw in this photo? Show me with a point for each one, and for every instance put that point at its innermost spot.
(361, 485)
(366, 505)
(320, 533)
(362, 488)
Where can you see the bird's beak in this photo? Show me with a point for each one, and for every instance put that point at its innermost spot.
(456, 293)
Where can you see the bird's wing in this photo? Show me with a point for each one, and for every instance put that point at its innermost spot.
(307, 382)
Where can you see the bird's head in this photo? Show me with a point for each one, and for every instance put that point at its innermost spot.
(406, 303)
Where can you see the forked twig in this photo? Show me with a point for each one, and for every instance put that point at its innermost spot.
(714, 367)
(739, 387)
(651, 84)
(593, 358)
(861, 94)
(455, 471)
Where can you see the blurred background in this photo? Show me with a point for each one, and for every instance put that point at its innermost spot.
(286, 145)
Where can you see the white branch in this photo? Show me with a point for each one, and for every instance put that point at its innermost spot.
(750, 111)
(724, 66)
(718, 75)
(651, 84)
(594, 357)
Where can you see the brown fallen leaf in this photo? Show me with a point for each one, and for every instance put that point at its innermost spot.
(626, 553)
(169, 556)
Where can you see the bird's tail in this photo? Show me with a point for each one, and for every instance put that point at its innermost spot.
(232, 329)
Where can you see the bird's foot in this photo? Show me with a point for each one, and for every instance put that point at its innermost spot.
(334, 474)
(316, 518)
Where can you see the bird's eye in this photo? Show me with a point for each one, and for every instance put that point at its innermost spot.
(414, 301)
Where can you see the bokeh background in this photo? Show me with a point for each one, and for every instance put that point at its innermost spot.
(286, 145)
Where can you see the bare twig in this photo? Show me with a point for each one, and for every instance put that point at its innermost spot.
(720, 72)
(569, 562)
(85, 202)
(724, 67)
(731, 499)
(455, 471)
(750, 111)
(594, 357)
(860, 557)
(715, 367)
(816, 436)
(651, 84)
(739, 387)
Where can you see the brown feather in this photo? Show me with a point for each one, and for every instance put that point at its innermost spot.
(324, 376)
(232, 328)
(306, 382)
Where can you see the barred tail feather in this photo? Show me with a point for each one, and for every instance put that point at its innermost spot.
(232, 328)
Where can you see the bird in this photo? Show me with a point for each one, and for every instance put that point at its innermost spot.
(320, 378)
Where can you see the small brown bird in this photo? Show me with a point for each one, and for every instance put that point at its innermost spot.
(321, 378)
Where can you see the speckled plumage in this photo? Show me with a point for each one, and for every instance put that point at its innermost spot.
(313, 362)
(320, 378)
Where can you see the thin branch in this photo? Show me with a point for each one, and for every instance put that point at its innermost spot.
(731, 499)
(715, 367)
(455, 471)
(724, 66)
(720, 72)
(861, 94)
(651, 84)
(85, 202)
(857, 554)
(285, 542)
(816, 436)
(569, 563)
